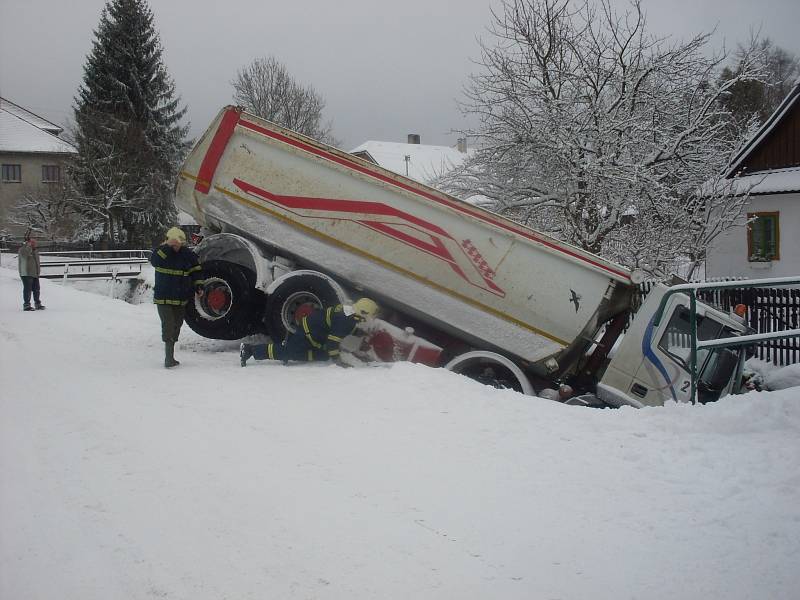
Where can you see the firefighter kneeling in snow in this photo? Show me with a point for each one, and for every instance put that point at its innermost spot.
(318, 335)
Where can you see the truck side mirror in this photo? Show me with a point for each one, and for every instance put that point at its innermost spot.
(721, 370)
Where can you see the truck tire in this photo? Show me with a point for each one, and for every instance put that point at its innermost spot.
(491, 369)
(291, 295)
(229, 308)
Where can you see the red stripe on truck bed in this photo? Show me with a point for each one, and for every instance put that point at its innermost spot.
(214, 153)
(440, 200)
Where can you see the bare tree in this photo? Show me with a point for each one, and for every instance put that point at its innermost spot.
(103, 194)
(49, 212)
(599, 133)
(674, 237)
(761, 98)
(266, 88)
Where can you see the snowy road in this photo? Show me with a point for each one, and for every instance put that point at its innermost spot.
(121, 480)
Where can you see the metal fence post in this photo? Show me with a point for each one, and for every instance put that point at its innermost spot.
(693, 342)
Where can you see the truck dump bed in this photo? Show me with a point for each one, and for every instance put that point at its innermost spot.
(464, 269)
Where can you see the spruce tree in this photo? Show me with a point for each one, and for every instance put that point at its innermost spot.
(128, 128)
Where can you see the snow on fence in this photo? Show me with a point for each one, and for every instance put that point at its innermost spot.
(768, 310)
(93, 264)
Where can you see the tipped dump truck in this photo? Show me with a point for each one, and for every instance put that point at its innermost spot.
(290, 221)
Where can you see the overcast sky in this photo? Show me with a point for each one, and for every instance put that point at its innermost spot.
(386, 69)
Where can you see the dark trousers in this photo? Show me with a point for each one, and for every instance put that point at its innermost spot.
(171, 321)
(30, 284)
(296, 347)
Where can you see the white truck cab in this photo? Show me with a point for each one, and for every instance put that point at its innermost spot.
(652, 363)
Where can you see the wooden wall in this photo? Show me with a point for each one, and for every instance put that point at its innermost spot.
(780, 149)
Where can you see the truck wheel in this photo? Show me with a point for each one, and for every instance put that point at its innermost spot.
(491, 369)
(228, 309)
(291, 295)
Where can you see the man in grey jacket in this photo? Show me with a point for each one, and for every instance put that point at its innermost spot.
(29, 266)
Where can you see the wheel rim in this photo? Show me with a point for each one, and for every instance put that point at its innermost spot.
(292, 303)
(490, 368)
(216, 300)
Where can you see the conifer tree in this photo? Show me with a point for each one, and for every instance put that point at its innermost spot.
(128, 128)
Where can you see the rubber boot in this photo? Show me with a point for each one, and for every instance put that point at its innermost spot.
(40, 306)
(169, 355)
(27, 307)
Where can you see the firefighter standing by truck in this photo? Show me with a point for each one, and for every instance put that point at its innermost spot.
(317, 336)
(178, 274)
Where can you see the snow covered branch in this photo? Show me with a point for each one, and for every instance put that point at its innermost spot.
(590, 127)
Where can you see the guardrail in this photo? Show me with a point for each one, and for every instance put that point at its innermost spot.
(93, 264)
(98, 254)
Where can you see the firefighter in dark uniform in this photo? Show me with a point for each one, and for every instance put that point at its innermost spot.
(178, 275)
(317, 337)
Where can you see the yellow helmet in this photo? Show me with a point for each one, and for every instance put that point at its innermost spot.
(365, 309)
(176, 233)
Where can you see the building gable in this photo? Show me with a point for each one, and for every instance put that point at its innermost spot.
(780, 148)
(777, 144)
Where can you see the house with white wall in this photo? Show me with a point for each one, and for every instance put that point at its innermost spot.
(767, 243)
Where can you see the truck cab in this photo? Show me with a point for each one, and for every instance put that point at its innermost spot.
(652, 364)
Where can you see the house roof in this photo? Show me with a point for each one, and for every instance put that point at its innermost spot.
(781, 181)
(424, 162)
(33, 119)
(20, 135)
(769, 126)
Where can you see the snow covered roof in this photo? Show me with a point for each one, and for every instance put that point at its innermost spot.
(782, 181)
(33, 119)
(20, 135)
(785, 107)
(424, 162)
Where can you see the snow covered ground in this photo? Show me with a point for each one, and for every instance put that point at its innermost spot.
(122, 480)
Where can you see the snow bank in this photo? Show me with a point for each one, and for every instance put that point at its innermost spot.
(120, 479)
(783, 378)
(772, 377)
(133, 291)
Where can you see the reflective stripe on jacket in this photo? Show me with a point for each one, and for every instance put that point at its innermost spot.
(177, 274)
(325, 329)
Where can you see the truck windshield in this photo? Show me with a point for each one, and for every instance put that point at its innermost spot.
(677, 341)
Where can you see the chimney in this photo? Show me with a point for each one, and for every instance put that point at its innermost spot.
(413, 138)
(462, 145)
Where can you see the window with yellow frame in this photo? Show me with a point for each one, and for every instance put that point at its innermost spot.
(763, 236)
